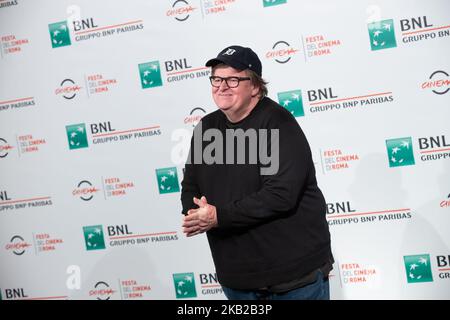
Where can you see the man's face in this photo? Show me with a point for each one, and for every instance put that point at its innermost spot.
(233, 100)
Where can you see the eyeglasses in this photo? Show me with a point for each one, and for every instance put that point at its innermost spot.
(232, 82)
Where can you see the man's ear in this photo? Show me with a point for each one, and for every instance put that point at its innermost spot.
(255, 91)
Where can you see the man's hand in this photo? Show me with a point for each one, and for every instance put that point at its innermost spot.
(200, 220)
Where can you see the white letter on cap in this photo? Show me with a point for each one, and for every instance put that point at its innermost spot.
(230, 52)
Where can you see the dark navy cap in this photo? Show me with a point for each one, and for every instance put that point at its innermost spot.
(238, 57)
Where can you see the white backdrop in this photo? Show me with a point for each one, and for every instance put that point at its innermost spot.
(97, 97)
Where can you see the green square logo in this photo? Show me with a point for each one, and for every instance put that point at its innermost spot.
(59, 34)
(382, 35)
(292, 101)
(270, 3)
(76, 134)
(167, 180)
(93, 237)
(400, 152)
(184, 285)
(150, 74)
(418, 268)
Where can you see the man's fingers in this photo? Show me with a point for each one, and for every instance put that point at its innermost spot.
(192, 234)
(193, 215)
(190, 229)
(197, 201)
(193, 231)
(190, 223)
(196, 220)
(190, 212)
(202, 202)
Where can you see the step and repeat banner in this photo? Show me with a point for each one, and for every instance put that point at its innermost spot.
(98, 101)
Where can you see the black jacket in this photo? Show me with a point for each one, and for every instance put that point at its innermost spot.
(271, 229)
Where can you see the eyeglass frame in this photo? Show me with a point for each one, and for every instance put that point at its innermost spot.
(239, 79)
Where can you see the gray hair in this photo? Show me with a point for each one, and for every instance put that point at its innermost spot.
(259, 82)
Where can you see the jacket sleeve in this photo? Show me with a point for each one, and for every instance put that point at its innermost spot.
(280, 192)
(189, 186)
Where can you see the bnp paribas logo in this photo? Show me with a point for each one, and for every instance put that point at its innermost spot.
(418, 268)
(382, 35)
(269, 3)
(59, 34)
(93, 237)
(292, 101)
(184, 285)
(76, 134)
(150, 73)
(400, 152)
(167, 180)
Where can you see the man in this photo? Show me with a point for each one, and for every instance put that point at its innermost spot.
(265, 220)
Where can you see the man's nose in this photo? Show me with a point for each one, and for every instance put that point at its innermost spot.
(223, 85)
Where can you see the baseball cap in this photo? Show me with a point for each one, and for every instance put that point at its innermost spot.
(238, 57)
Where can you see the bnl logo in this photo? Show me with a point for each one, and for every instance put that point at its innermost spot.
(76, 134)
(184, 285)
(269, 3)
(94, 238)
(150, 74)
(418, 268)
(400, 152)
(292, 101)
(167, 180)
(60, 33)
(11, 294)
(382, 35)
